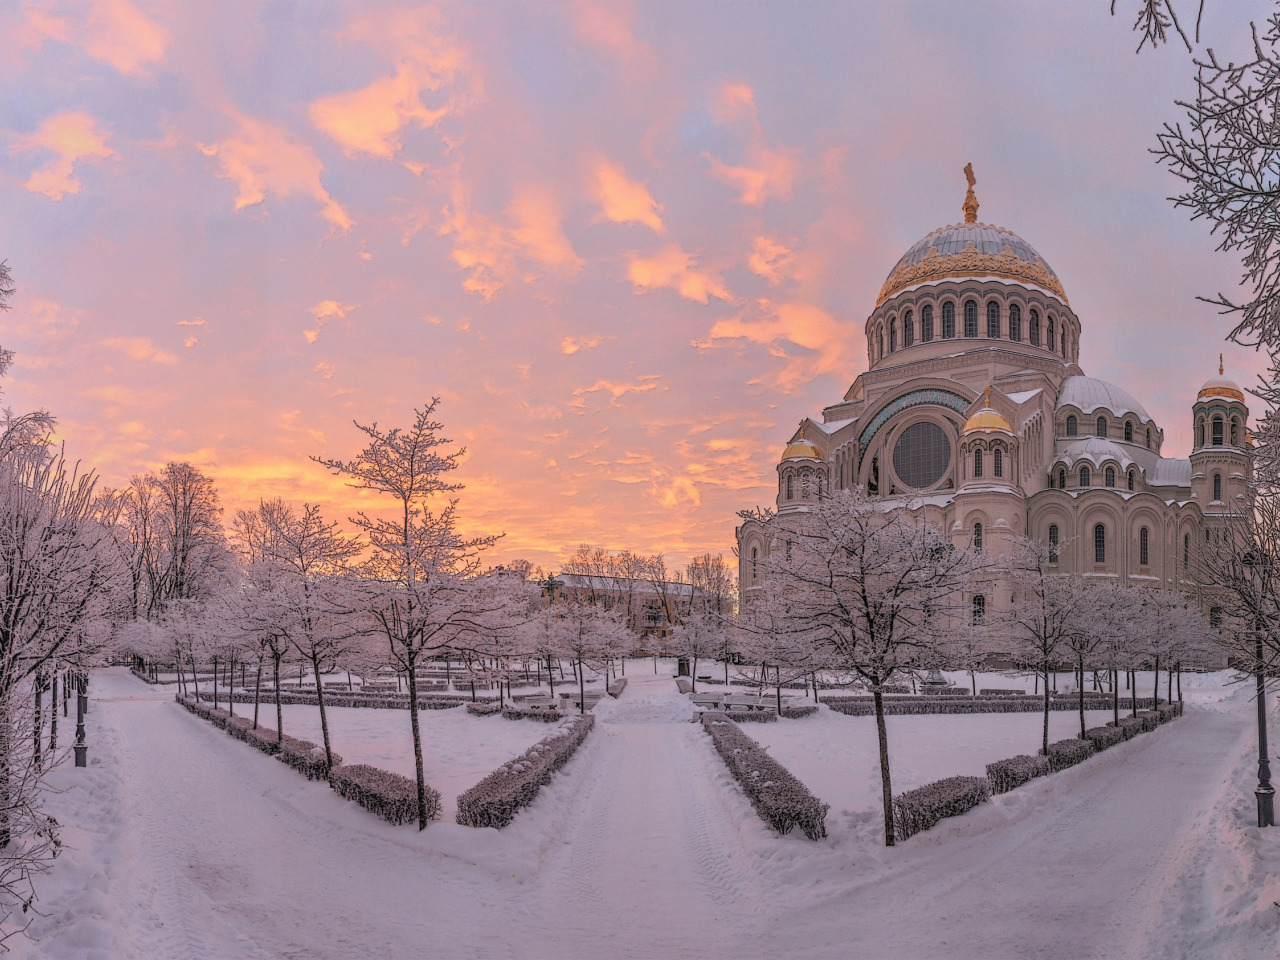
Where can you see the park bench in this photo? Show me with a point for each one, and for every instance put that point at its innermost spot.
(745, 703)
(707, 701)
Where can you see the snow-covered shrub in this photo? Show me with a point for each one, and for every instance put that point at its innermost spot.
(482, 708)
(1129, 727)
(929, 691)
(494, 801)
(238, 727)
(864, 706)
(684, 685)
(1014, 772)
(1000, 692)
(920, 809)
(1150, 720)
(1067, 753)
(796, 711)
(305, 757)
(263, 739)
(753, 716)
(1103, 737)
(781, 800)
(895, 688)
(546, 716)
(388, 795)
(1168, 711)
(616, 688)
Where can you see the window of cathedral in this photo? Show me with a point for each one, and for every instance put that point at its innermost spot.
(1099, 543)
(1110, 476)
(1217, 431)
(908, 329)
(1071, 426)
(791, 490)
(1062, 479)
(1148, 438)
(893, 335)
(1215, 617)
(948, 320)
(1130, 479)
(1217, 487)
(993, 320)
(873, 478)
(1200, 432)
(1235, 432)
(1186, 550)
(926, 324)
(922, 454)
(1053, 543)
(1034, 328)
(1128, 431)
(1064, 341)
(979, 609)
(970, 318)
(977, 463)
(1015, 322)
(1048, 343)
(804, 486)
(1144, 555)
(1102, 427)
(997, 462)
(755, 561)
(1084, 477)
(977, 536)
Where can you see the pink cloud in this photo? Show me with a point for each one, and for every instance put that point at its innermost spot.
(784, 327)
(623, 200)
(672, 267)
(771, 259)
(120, 34)
(609, 27)
(71, 137)
(769, 172)
(140, 348)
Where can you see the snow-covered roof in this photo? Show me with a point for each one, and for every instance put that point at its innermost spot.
(1088, 394)
(833, 426)
(1094, 450)
(1022, 396)
(1171, 473)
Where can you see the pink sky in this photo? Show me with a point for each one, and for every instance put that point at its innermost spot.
(629, 246)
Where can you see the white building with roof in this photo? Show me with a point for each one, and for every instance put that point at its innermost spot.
(975, 408)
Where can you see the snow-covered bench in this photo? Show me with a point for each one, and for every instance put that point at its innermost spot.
(707, 701)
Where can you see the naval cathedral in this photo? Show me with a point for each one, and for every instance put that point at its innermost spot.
(975, 409)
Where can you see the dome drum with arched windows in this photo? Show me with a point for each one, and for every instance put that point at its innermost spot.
(974, 410)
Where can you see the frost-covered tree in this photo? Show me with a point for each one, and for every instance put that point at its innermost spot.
(863, 579)
(418, 582)
(585, 634)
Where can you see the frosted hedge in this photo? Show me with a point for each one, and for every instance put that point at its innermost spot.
(919, 809)
(616, 688)
(1014, 772)
(782, 801)
(1067, 753)
(388, 795)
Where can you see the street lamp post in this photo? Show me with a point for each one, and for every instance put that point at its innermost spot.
(1265, 793)
(82, 706)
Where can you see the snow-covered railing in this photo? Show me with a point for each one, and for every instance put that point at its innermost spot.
(920, 809)
(388, 795)
(781, 800)
(495, 800)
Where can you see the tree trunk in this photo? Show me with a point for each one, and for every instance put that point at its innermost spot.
(215, 683)
(279, 709)
(777, 690)
(257, 693)
(1155, 685)
(973, 680)
(53, 715)
(1115, 697)
(816, 698)
(1044, 746)
(195, 679)
(693, 681)
(1131, 684)
(231, 687)
(324, 719)
(551, 679)
(417, 746)
(1179, 681)
(1080, 694)
(886, 787)
(1168, 695)
(39, 724)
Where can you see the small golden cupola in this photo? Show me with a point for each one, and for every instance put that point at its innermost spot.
(1220, 386)
(801, 449)
(986, 418)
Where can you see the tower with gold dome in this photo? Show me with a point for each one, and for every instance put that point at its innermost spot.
(974, 409)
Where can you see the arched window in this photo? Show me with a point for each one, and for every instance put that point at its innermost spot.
(977, 463)
(1200, 432)
(1217, 486)
(997, 462)
(755, 560)
(1215, 617)
(1235, 432)
(1048, 342)
(880, 344)
(1186, 550)
(1217, 431)
(908, 329)
(1128, 431)
(1064, 341)
(977, 536)
(1102, 427)
(1144, 547)
(1034, 324)
(979, 609)
(1015, 322)
(1062, 479)
(1053, 543)
(993, 320)
(970, 318)
(1148, 438)
(791, 490)
(1130, 479)
(1084, 476)
(1071, 425)
(948, 320)
(804, 486)
(893, 334)
(1110, 476)
(1099, 543)
(926, 324)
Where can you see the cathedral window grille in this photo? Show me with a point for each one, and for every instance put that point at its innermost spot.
(993, 320)
(879, 344)
(1186, 550)
(1015, 322)
(1128, 431)
(1064, 342)
(1053, 543)
(755, 561)
(1099, 543)
(977, 463)
(1102, 427)
(1084, 476)
(997, 463)
(1148, 438)
(1215, 617)
(1217, 431)
(893, 335)
(1071, 426)
(1111, 476)
(926, 324)
(1144, 548)
(1130, 479)
(1217, 486)
(948, 320)
(979, 609)
(1048, 343)
(908, 329)
(791, 491)
(977, 536)
(1062, 479)
(970, 318)
(1034, 328)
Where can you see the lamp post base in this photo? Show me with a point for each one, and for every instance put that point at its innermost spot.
(82, 752)
(1266, 806)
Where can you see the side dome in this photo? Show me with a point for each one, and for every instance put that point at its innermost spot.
(1220, 386)
(801, 449)
(986, 419)
(1088, 394)
(971, 250)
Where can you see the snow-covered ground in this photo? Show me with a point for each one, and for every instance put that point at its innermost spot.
(182, 842)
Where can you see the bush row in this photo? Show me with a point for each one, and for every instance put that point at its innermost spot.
(494, 801)
(920, 809)
(781, 800)
(382, 701)
(914, 706)
(616, 688)
(545, 716)
(1014, 772)
(796, 711)
(1067, 753)
(930, 691)
(1000, 692)
(388, 795)
(1104, 737)
(752, 716)
(303, 755)
(482, 708)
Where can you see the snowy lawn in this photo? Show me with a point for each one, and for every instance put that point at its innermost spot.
(458, 750)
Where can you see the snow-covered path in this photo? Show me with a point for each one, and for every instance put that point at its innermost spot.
(185, 843)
